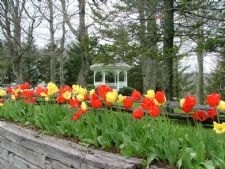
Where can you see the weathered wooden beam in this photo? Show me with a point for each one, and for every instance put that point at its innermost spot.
(24, 145)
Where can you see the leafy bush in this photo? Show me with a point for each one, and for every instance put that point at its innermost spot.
(126, 91)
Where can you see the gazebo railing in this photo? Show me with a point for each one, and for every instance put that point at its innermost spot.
(112, 85)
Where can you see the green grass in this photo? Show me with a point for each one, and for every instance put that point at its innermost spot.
(151, 139)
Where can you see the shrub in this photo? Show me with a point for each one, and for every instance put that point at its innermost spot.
(126, 91)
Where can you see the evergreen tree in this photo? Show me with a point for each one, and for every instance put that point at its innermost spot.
(73, 62)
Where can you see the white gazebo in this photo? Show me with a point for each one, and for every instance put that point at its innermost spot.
(116, 69)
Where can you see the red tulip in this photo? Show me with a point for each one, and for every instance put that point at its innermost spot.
(28, 100)
(138, 114)
(108, 104)
(76, 116)
(212, 112)
(213, 99)
(200, 115)
(147, 103)
(63, 89)
(81, 111)
(154, 111)
(60, 99)
(74, 103)
(102, 90)
(160, 97)
(28, 93)
(86, 97)
(96, 103)
(33, 100)
(2, 101)
(136, 95)
(40, 90)
(128, 102)
(9, 90)
(24, 86)
(189, 104)
(94, 96)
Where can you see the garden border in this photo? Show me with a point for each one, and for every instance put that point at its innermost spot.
(24, 148)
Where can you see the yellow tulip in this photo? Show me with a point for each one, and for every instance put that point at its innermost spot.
(92, 91)
(76, 89)
(83, 106)
(111, 96)
(80, 97)
(1, 104)
(221, 106)
(219, 128)
(150, 94)
(2, 93)
(13, 97)
(66, 95)
(121, 98)
(52, 89)
(83, 91)
(47, 99)
(16, 92)
(43, 94)
(182, 102)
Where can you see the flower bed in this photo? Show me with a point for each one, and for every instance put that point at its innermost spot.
(147, 137)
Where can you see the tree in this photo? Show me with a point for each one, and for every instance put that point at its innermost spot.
(168, 52)
(4, 66)
(47, 10)
(216, 83)
(72, 65)
(82, 37)
(62, 47)
(217, 44)
(200, 21)
(183, 83)
(73, 61)
(148, 42)
(12, 25)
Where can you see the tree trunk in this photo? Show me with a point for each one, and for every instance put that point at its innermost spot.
(17, 70)
(17, 60)
(148, 42)
(200, 86)
(83, 42)
(149, 80)
(52, 40)
(168, 47)
(62, 43)
(176, 79)
(149, 74)
(11, 15)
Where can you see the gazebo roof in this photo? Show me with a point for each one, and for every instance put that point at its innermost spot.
(108, 67)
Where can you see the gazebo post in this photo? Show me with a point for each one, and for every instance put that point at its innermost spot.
(103, 77)
(125, 78)
(118, 81)
(94, 77)
(115, 79)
